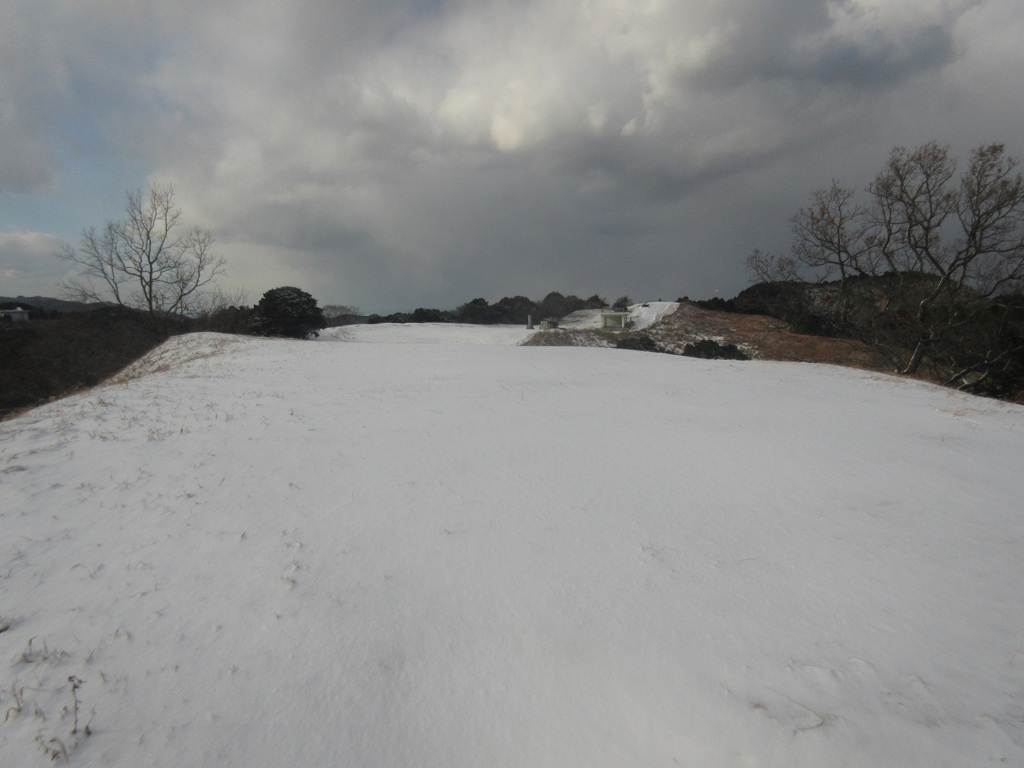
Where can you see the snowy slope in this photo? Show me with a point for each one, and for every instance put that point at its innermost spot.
(429, 333)
(265, 553)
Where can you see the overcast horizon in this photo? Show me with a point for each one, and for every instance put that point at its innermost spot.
(427, 152)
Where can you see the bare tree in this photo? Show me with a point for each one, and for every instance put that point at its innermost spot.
(951, 251)
(145, 261)
(332, 311)
(339, 314)
(830, 239)
(967, 238)
(767, 267)
(830, 234)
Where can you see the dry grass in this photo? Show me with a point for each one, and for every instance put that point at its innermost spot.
(760, 337)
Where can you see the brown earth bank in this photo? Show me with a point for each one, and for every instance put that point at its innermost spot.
(758, 336)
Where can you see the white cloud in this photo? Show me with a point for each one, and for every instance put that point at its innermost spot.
(29, 265)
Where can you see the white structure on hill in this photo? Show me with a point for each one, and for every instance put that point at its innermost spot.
(16, 315)
(612, 320)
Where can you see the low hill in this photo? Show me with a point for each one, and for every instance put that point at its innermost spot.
(251, 552)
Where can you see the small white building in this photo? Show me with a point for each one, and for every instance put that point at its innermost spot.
(17, 315)
(614, 321)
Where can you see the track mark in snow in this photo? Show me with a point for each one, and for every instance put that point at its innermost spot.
(790, 713)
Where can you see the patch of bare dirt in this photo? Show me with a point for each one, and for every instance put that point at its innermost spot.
(565, 337)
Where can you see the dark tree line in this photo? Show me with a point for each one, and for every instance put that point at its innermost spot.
(510, 310)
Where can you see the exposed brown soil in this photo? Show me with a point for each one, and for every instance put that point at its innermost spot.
(760, 337)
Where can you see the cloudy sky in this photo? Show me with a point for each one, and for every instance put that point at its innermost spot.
(403, 153)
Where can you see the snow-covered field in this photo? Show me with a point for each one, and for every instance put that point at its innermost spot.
(429, 333)
(269, 553)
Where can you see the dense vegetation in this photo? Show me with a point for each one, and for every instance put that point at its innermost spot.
(514, 310)
(55, 354)
(288, 312)
(60, 352)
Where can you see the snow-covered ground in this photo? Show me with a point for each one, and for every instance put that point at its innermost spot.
(264, 553)
(430, 333)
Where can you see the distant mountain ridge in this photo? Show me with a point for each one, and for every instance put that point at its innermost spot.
(47, 304)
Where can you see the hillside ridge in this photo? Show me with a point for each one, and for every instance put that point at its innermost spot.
(759, 336)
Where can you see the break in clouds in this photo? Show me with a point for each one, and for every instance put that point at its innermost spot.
(405, 153)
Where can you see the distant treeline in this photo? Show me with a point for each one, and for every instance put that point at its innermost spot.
(511, 310)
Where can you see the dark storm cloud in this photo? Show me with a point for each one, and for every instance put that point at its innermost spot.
(427, 151)
(809, 41)
(880, 60)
